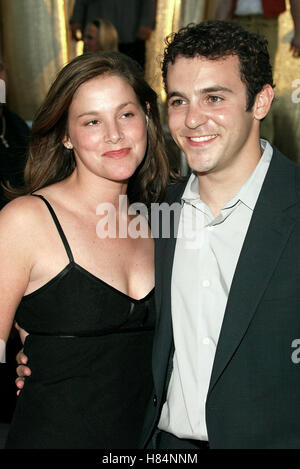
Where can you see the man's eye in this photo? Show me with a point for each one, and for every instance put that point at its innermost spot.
(214, 99)
(176, 102)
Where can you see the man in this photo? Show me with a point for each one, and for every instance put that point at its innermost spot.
(134, 21)
(225, 366)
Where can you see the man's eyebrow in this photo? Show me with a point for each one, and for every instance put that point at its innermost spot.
(214, 89)
(210, 89)
(175, 93)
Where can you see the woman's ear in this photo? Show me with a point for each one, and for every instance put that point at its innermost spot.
(263, 102)
(67, 143)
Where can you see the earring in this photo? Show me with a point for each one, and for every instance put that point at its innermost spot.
(69, 146)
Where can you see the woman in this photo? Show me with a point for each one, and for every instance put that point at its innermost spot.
(100, 35)
(86, 301)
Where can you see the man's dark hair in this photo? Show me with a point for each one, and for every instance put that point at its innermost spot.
(217, 39)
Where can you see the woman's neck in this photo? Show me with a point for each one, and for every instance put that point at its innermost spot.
(95, 190)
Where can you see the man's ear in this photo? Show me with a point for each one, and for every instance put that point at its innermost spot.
(67, 142)
(263, 102)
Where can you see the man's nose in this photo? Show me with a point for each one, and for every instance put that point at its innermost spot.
(195, 116)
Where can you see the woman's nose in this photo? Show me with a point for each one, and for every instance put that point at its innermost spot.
(113, 133)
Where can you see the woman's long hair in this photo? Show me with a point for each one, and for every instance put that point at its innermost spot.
(49, 161)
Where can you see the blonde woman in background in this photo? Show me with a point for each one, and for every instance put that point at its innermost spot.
(100, 35)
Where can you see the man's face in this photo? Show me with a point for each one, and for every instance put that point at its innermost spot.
(208, 120)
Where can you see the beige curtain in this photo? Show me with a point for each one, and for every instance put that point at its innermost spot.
(35, 47)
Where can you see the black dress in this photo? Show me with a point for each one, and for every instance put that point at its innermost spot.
(89, 352)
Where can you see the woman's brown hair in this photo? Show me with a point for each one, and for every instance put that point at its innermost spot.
(49, 161)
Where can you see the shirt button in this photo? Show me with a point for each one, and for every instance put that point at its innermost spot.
(155, 400)
(206, 340)
(206, 283)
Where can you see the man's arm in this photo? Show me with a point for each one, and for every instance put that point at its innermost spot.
(295, 11)
(225, 10)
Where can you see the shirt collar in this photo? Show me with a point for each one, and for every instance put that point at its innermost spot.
(249, 192)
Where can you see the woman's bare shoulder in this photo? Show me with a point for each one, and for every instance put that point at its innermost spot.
(22, 212)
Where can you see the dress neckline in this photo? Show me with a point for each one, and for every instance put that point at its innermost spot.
(73, 264)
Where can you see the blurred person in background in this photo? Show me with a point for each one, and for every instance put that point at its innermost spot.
(100, 35)
(134, 21)
(261, 17)
(14, 137)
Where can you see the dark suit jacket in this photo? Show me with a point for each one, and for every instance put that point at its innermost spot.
(254, 394)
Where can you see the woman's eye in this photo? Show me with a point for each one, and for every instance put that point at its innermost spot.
(92, 122)
(127, 114)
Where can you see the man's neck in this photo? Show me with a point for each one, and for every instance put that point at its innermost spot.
(217, 188)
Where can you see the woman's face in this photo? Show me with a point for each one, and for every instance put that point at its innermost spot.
(91, 38)
(107, 128)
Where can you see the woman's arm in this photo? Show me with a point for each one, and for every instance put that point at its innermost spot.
(15, 262)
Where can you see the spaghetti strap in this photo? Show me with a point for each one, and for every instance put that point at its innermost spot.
(58, 226)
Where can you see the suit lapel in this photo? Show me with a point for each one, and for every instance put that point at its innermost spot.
(267, 235)
(164, 251)
(164, 257)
